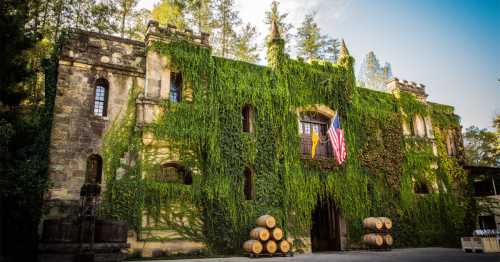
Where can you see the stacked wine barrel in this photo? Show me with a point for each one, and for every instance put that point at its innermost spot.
(378, 232)
(267, 239)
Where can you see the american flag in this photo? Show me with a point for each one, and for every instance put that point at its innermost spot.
(336, 137)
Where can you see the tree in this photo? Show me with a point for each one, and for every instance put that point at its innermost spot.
(170, 12)
(284, 27)
(22, 135)
(330, 49)
(124, 12)
(200, 13)
(139, 24)
(372, 75)
(224, 24)
(309, 39)
(481, 147)
(15, 40)
(101, 14)
(245, 47)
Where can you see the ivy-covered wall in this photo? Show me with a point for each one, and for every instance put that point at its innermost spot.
(205, 135)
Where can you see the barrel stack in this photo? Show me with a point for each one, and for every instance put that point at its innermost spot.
(267, 239)
(378, 232)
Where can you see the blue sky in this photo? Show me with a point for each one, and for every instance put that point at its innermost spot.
(451, 46)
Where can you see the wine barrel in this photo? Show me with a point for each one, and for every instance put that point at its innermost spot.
(108, 230)
(59, 231)
(266, 221)
(386, 222)
(270, 247)
(373, 240)
(277, 233)
(260, 233)
(388, 240)
(284, 246)
(372, 223)
(252, 246)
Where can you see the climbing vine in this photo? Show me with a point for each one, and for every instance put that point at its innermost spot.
(204, 133)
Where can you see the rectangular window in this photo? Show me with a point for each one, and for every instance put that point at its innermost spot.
(175, 87)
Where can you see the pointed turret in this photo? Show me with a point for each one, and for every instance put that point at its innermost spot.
(275, 46)
(343, 49)
(345, 58)
(275, 31)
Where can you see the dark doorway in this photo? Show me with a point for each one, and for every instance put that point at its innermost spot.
(325, 230)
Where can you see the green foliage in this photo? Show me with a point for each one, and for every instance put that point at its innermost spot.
(25, 121)
(14, 41)
(170, 12)
(225, 23)
(205, 135)
(284, 27)
(101, 13)
(443, 117)
(412, 106)
(481, 147)
(24, 131)
(124, 195)
(201, 14)
(245, 47)
(309, 39)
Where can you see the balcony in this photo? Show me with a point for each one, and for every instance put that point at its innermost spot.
(323, 149)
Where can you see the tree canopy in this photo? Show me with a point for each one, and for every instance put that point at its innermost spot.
(481, 147)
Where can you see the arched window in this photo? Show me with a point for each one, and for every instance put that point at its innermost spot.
(418, 126)
(421, 188)
(175, 87)
(101, 97)
(248, 118)
(249, 184)
(93, 173)
(310, 121)
(174, 173)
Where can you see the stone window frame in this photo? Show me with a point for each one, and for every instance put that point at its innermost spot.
(104, 98)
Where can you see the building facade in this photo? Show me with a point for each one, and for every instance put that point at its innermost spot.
(191, 148)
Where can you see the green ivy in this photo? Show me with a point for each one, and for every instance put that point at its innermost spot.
(205, 134)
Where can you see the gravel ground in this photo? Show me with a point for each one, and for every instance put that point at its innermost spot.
(395, 255)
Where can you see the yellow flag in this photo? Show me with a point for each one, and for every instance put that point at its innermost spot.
(314, 138)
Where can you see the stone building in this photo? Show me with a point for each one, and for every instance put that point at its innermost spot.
(97, 75)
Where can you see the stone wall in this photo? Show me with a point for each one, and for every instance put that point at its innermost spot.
(77, 132)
